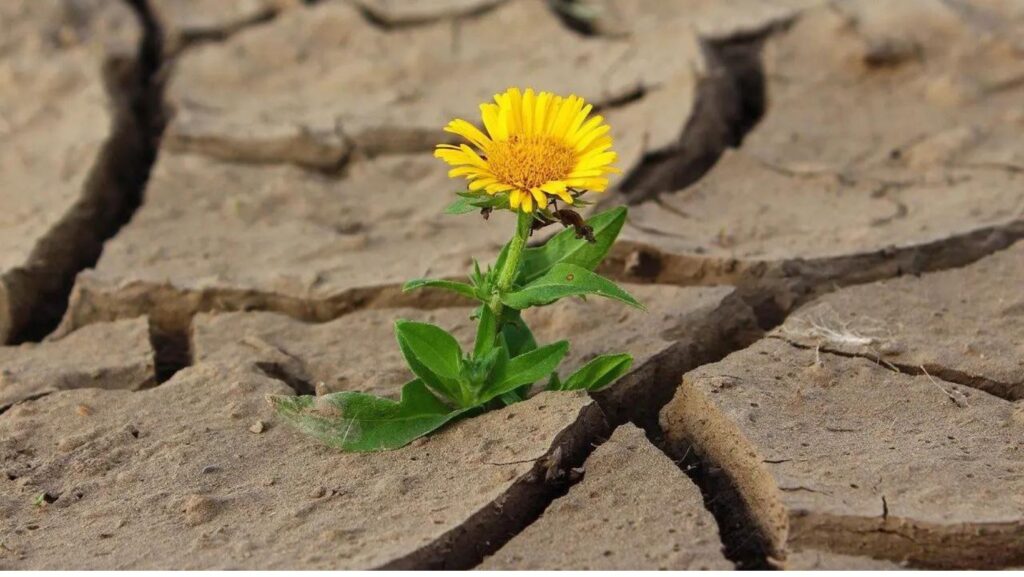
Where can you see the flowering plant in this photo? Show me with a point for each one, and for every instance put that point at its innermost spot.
(539, 150)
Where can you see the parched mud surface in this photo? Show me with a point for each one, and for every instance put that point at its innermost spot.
(634, 509)
(218, 200)
(886, 131)
(72, 148)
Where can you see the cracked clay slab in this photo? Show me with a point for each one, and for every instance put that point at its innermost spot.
(847, 456)
(221, 236)
(60, 132)
(404, 13)
(358, 352)
(963, 325)
(106, 355)
(634, 509)
(317, 83)
(886, 136)
(181, 476)
(712, 19)
(185, 21)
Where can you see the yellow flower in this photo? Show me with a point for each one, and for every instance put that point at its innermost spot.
(537, 145)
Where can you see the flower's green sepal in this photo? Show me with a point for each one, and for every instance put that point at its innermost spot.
(564, 280)
(595, 375)
(358, 422)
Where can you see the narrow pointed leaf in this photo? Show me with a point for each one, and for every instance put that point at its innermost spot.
(448, 285)
(518, 336)
(565, 248)
(470, 201)
(525, 369)
(486, 332)
(359, 422)
(433, 355)
(565, 280)
(460, 205)
(595, 375)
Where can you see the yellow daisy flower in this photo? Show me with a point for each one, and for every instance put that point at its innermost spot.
(537, 145)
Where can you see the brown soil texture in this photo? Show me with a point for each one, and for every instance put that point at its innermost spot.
(204, 202)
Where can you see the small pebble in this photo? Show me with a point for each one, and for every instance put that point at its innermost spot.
(257, 427)
(83, 410)
(210, 469)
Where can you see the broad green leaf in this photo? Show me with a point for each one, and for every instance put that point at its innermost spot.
(525, 369)
(433, 355)
(486, 332)
(456, 287)
(565, 280)
(596, 374)
(359, 422)
(565, 248)
(518, 336)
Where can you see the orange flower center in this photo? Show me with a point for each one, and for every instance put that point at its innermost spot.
(527, 162)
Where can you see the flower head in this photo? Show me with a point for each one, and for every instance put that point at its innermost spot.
(537, 145)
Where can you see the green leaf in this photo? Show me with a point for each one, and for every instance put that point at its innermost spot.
(595, 375)
(461, 205)
(525, 369)
(470, 201)
(518, 336)
(433, 355)
(565, 280)
(512, 397)
(486, 332)
(456, 287)
(359, 422)
(565, 248)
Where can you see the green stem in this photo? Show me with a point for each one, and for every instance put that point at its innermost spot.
(511, 266)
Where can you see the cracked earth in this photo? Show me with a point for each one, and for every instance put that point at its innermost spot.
(207, 201)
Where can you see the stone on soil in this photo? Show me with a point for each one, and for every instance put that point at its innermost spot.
(634, 509)
(845, 455)
(171, 477)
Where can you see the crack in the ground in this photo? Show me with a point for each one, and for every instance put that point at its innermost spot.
(491, 528)
(1006, 391)
(37, 294)
(730, 101)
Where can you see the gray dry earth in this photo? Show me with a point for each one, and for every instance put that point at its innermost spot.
(206, 201)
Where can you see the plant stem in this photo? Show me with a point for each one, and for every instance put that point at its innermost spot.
(511, 266)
